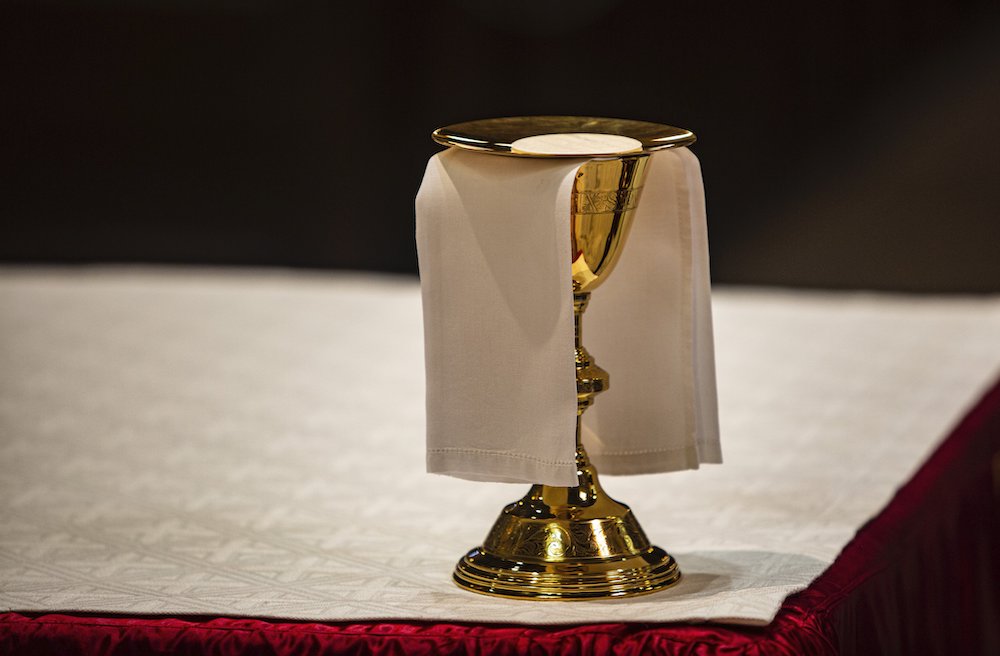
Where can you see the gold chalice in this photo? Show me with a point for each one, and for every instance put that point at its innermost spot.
(574, 542)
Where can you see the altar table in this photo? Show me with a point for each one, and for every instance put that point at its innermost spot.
(224, 461)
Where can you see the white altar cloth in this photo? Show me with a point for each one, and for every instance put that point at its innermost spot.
(248, 443)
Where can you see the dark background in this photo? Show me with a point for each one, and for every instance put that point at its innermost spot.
(853, 144)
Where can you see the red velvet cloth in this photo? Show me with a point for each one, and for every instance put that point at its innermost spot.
(921, 578)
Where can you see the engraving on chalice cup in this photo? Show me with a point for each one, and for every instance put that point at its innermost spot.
(577, 542)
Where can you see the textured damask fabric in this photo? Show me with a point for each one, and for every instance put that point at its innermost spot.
(250, 444)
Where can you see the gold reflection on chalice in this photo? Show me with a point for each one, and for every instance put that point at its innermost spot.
(574, 542)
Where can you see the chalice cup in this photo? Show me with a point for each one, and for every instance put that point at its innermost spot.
(574, 543)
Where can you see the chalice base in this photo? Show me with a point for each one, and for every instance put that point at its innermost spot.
(567, 543)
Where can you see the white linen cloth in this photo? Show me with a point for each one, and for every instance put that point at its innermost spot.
(493, 236)
(245, 443)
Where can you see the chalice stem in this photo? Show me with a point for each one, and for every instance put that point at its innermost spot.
(590, 380)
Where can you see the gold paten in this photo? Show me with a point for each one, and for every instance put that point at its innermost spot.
(574, 543)
(495, 135)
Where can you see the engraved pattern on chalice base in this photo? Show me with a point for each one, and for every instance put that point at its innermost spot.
(596, 538)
